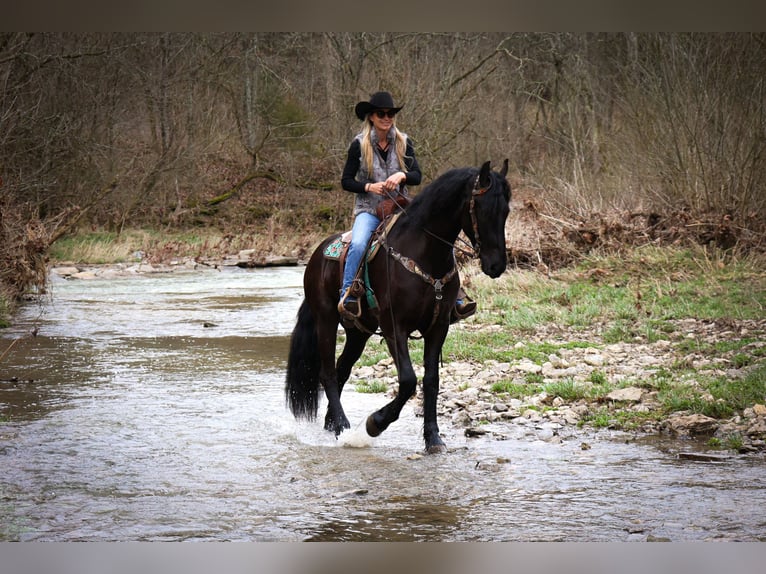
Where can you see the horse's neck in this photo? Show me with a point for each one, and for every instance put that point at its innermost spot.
(431, 243)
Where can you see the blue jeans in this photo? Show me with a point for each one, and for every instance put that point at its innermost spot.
(364, 225)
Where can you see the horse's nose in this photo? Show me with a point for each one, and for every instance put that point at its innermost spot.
(494, 268)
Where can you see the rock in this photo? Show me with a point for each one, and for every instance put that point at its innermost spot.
(557, 362)
(570, 417)
(528, 366)
(757, 428)
(594, 360)
(759, 410)
(268, 261)
(65, 271)
(703, 456)
(354, 492)
(364, 372)
(83, 275)
(628, 394)
(543, 399)
(488, 465)
(531, 415)
(694, 424)
(461, 418)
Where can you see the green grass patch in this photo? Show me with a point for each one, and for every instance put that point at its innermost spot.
(514, 390)
(501, 346)
(740, 393)
(371, 387)
(609, 417)
(568, 390)
(717, 397)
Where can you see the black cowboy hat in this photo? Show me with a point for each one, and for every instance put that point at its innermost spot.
(378, 101)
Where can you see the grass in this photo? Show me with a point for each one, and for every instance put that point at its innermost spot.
(371, 387)
(609, 417)
(104, 247)
(567, 389)
(635, 295)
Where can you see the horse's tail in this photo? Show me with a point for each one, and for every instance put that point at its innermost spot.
(302, 382)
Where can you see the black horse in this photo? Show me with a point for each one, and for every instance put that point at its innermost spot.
(415, 283)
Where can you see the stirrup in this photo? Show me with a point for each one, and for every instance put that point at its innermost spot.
(464, 310)
(349, 309)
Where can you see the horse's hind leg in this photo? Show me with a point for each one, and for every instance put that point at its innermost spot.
(352, 350)
(335, 420)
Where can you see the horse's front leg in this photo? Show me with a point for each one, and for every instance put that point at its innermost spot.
(431, 352)
(379, 421)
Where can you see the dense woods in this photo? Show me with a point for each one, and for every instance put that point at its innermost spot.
(161, 130)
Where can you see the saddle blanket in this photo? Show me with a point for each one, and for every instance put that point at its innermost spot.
(335, 249)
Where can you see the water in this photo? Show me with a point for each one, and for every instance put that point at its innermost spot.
(151, 408)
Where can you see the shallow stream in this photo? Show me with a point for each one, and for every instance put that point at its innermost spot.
(150, 407)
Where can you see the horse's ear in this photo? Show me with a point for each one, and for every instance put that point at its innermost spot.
(484, 180)
(504, 171)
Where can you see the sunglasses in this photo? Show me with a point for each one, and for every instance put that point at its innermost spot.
(383, 113)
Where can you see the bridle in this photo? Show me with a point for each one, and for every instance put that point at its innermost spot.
(475, 192)
(475, 252)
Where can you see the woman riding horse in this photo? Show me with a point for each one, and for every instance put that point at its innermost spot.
(415, 284)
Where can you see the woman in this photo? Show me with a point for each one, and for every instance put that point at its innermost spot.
(381, 162)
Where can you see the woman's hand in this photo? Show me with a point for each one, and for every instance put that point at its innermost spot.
(394, 181)
(391, 184)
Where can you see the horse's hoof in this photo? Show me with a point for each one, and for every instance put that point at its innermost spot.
(437, 449)
(336, 429)
(372, 428)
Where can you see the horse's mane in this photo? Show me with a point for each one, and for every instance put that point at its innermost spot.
(446, 192)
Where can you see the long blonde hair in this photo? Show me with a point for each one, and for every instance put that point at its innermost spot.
(366, 144)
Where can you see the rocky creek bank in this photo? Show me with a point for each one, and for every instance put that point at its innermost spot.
(468, 400)
(246, 259)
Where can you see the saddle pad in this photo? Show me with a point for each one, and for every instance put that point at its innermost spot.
(334, 250)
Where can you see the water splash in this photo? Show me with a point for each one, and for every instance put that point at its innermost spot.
(357, 437)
